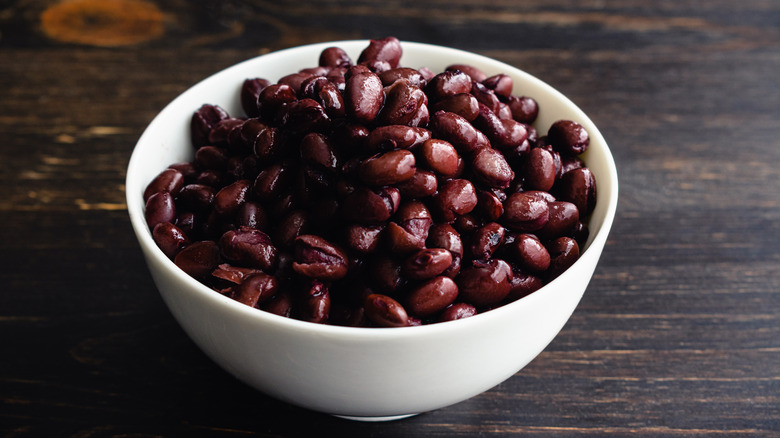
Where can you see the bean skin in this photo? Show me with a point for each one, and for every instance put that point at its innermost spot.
(389, 137)
(446, 237)
(486, 240)
(370, 207)
(364, 96)
(523, 284)
(315, 303)
(317, 258)
(568, 137)
(462, 104)
(169, 180)
(412, 76)
(409, 230)
(474, 73)
(448, 83)
(384, 311)
(459, 132)
(485, 283)
(250, 91)
(457, 311)
(578, 186)
(501, 84)
(170, 238)
(422, 184)
(256, 289)
(524, 109)
(249, 247)
(538, 170)
(160, 207)
(563, 218)
(531, 253)
(426, 263)
(455, 197)
(564, 251)
(203, 121)
(440, 156)
(490, 168)
(523, 212)
(199, 259)
(402, 101)
(431, 297)
(388, 168)
(387, 49)
(230, 198)
(334, 57)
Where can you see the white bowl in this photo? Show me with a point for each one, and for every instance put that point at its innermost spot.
(363, 373)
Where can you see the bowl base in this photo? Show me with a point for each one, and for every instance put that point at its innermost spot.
(375, 419)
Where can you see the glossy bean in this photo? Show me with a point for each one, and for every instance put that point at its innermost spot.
(410, 75)
(402, 101)
(421, 185)
(387, 168)
(334, 57)
(474, 73)
(538, 170)
(363, 96)
(318, 258)
(455, 197)
(457, 311)
(431, 297)
(160, 207)
(524, 109)
(202, 121)
(462, 104)
(230, 198)
(387, 49)
(169, 180)
(250, 91)
(485, 283)
(448, 83)
(315, 302)
(568, 137)
(440, 156)
(563, 218)
(426, 263)
(501, 84)
(170, 238)
(578, 186)
(524, 212)
(363, 239)
(385, 311)
(486, 240)
(564, 251)
(248, 247)
(530, 253)
(256, 289)
(490, 168)
(409, 229)
(370, 207)
(459, 132)
(199, 259)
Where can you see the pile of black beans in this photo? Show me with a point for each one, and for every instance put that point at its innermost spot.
(374, 195)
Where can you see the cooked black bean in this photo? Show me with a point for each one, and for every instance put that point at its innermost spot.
(346, 191)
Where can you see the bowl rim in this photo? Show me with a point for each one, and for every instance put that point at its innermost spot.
(144, 236)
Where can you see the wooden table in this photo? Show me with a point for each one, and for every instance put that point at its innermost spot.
(677, 335)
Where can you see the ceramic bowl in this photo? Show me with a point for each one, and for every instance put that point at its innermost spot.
(363, 373)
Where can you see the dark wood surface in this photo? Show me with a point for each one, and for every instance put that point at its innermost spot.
(677, 335)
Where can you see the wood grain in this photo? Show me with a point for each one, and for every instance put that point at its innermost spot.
(677, 334)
